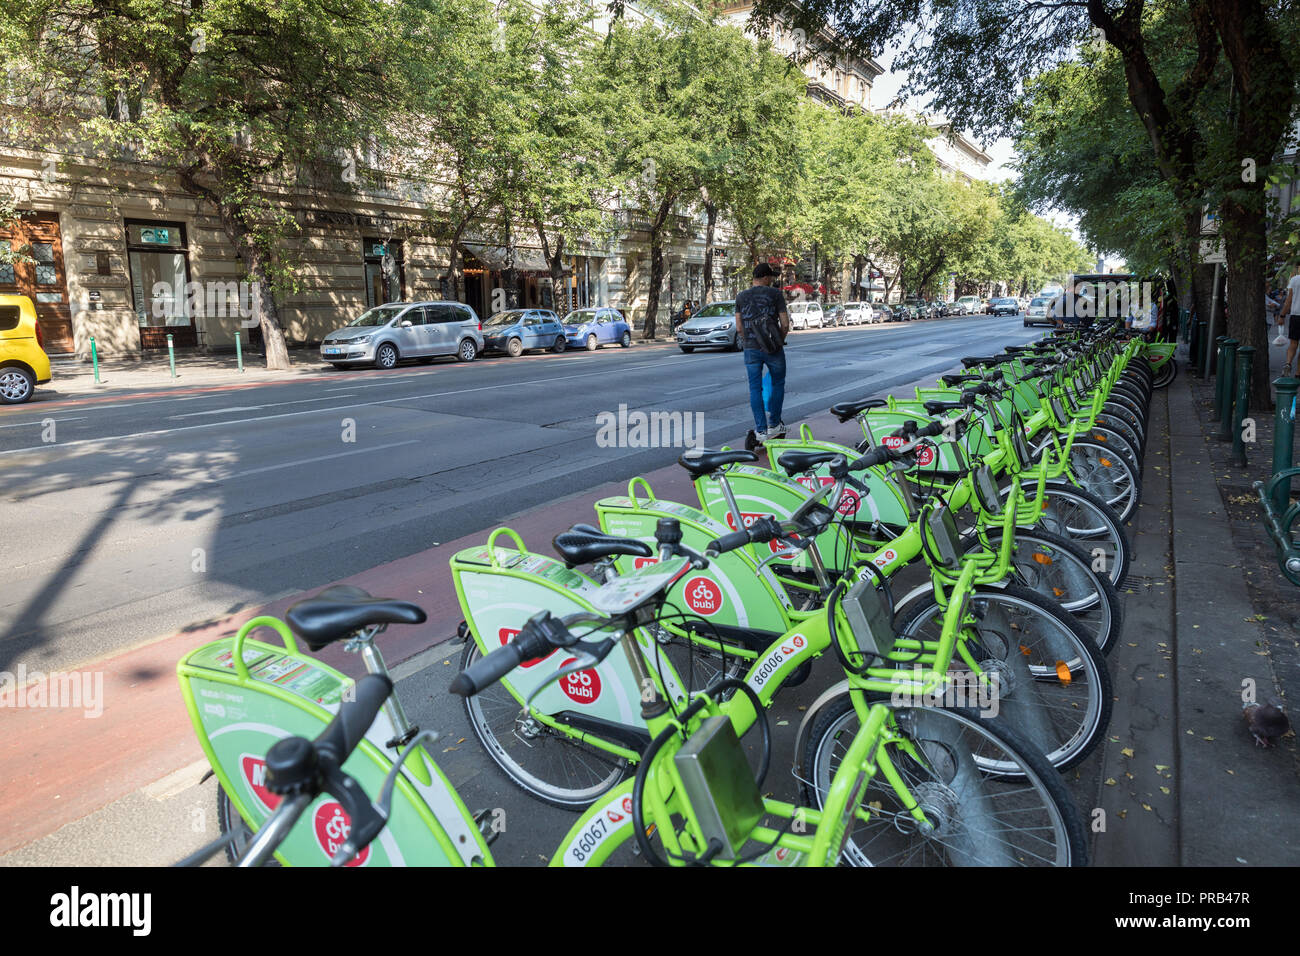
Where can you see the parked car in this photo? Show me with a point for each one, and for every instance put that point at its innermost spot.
(515, 330)
(805, 315)
(857, 313)
(591, 328)
(714, 326)
(1037, 313)
(903, 313)
(23, 362)
(833, 315)
(880, 312)
(970, 305)
(950, 308)
(1004, 307)
(389, 333)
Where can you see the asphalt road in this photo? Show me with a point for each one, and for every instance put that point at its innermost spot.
(133, 518)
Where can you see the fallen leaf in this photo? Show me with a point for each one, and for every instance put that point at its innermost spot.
(1164, 789)
(1111, 781)
(1162, 766)
(1127, 751)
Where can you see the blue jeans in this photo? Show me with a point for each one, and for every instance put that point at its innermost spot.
(755, 361)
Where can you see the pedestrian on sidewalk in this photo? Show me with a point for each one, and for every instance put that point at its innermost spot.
(762, 324)
(1291, 309)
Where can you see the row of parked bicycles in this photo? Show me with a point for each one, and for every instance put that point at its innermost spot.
(958, 567)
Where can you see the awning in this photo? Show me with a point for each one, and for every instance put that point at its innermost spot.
(494, 257)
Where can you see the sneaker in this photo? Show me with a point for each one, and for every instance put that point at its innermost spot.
(777, 430)
(760, 436)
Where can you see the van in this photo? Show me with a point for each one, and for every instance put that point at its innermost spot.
(23, 362)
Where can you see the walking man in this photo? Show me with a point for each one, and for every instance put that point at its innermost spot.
(762, 323)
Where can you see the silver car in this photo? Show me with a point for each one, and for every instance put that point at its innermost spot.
(714, 326)
(388, 333)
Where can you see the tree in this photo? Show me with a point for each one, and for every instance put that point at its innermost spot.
(242, 99)
(691, 104)
(1014, 41)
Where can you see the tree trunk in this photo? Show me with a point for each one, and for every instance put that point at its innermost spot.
(656, 281)
(711, 211)
(245, 244)
(277, 353)
(1245, 246)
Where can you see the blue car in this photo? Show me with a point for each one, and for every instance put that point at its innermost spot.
(591, 328)
(514, 330)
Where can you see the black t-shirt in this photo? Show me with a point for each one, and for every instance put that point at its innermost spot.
(761, 305)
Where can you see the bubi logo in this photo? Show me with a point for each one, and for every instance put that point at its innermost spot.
(508, 634)
(581, 687)
(924, 453)
(332, 828)
(640, 563)
(254, 769)
(703, 596)
(887, 557)
(849, 500)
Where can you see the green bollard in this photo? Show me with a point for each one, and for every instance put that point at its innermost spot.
(1216, 413)
(94, 359)
(171, 356)
(1202, 345)
(1283, 437)
(1226, 389)
(239, 352)
(1245, 355)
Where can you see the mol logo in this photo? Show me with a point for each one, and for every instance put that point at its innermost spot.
(703, 596)
(508, 634)
(581, 687)
(254, 770)
(332, 826)
(924, 453)
(888, 556)
(613, 815)
(850, 502)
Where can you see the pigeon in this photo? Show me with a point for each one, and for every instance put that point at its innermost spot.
(1266, 722)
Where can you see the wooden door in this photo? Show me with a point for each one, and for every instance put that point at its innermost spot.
(44, 280)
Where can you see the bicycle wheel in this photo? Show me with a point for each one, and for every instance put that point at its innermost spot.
(1107, 475)
(1165, 374)
(1086, 520)
(974, 818)
(228, 819)
(543, 762)
(1053, 686)
(1061, 571)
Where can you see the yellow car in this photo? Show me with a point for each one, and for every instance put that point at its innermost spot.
(23, 362)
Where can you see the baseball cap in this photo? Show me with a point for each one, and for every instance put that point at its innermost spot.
(763, 270)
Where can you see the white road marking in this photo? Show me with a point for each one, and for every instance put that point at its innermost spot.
(43, 421)
(309, 461)
(253, 408)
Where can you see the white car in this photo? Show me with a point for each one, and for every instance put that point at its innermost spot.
(971, 305)
(857, 313)
(805, 315)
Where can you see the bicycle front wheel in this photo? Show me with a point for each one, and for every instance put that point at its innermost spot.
(934, 758)
(1052, 688)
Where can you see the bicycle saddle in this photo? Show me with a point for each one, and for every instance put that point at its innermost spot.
(796, 462)
(702, 461)
(342, 609)
(583, 544)
(846, 410)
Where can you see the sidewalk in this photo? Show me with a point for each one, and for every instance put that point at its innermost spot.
(1235, 628)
